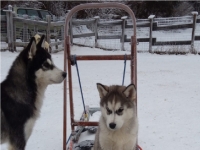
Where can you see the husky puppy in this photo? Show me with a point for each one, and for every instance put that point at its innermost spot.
(22, 93)
(118, 125)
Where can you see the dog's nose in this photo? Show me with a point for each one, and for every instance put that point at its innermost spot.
(112, 125)
(64, 74)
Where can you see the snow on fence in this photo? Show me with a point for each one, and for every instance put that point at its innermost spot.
(17, 31)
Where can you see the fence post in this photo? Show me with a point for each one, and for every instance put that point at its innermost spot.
(14, 31)
(96, 29)
(150, 32)
(56, 36)
(11, 28)
(48, 19)
(194, 13)
(8, 12)
(123, 31)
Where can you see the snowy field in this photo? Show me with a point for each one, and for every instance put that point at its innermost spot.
(168, 98)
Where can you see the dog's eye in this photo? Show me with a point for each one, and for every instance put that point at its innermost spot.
(47, 66)
(119, 111)
(108, 111)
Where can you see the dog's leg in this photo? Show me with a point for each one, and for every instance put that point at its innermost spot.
(17, 140)
(28, 128)
(96, 142)
(131, 145)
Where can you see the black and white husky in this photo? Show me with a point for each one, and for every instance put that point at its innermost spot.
(22, 92)
(118, 125)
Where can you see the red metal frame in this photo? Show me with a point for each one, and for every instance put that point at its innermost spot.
(67, 61)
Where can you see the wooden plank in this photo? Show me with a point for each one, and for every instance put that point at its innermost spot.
(109, 23)
(109, 37)
(141, 40)
(189, 25)
(163, 27)
(59, 23)
(172, 43)
(197, 38)
(83, 35)
(142, 24)
(28, 21)
(83, 22)
(139, 24)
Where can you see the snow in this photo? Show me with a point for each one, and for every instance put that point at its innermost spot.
(168, 98)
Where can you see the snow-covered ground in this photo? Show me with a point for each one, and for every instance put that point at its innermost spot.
(168, 98)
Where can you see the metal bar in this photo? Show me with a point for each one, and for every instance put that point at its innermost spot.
(134, 63)
(65, 96)
(70, 87)
(83, 123)
(103, 57)
(99, 5)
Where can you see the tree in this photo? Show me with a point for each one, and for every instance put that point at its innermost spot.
(143, 9)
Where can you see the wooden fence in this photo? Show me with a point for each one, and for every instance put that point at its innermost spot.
(13, 28)
(153, 23)
(17, 31)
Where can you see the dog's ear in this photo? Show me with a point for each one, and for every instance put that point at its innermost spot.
(130, 92)
(32, 48)
(103, 90)
(37, 38)
(42, 42)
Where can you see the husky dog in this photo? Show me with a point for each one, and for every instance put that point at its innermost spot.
(118, 125)
(22, 93)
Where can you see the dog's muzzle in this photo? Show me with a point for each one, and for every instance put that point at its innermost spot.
(64, 74)
(112, 125)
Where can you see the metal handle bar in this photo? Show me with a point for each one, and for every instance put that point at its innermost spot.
(100, 5)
